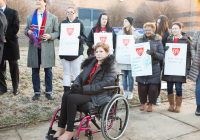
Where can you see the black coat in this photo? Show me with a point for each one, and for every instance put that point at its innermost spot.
(81, 42)
(182, 79)
(3, 27)
(104, 76)
(90, 40)
(155, 44)
(11, 49)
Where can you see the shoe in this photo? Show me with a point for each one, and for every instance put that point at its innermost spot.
(142, 107)
(36, 97)
(130, 96)
(171, 99)
(198, 110)
(158, 101)
(49, 97)
(2, 92)
(15, 92)
(125, 94)
(150, 108)
(178, 104)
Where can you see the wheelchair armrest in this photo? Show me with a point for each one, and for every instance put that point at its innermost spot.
(111, 87)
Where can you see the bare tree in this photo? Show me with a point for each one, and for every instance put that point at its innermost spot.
(149, 13)
(22, 7)
(117, 13)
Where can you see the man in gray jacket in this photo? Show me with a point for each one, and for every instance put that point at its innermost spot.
(42, 29)
(3, 27)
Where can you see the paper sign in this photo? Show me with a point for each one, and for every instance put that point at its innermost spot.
(175, 59)
(141, 64)
(69, 42)
(122, 50)
(106, 38)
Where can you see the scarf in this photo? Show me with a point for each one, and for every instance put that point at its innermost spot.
(36, 36)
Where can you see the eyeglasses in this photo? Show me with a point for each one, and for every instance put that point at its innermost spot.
(70, 13)
(148, 30)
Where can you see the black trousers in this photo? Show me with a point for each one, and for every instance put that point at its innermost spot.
(150, 90)
(14, 72)
(69, 108)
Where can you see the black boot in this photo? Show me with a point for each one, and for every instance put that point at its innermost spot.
(198, 110)
(66, 88)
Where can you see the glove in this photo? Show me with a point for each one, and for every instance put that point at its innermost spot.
(81, 38)
(166, 48)
(75, 89)
(150, 52)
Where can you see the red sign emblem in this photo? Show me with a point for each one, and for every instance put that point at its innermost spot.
(176, 51)
(140, 51)
(126, 42)
(70, 31)
(103, 39)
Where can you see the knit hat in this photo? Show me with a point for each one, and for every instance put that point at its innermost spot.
(130, 20)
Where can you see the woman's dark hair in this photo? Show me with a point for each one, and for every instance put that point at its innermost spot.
(108, 28)
(163, 25)
(46, 1)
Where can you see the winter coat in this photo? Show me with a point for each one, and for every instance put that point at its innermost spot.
(81, 42)
(47, 50)
(135, 34)
(104, 76)
(3, 27)
(195, 52)
(156, 45)
(90, 40)
(164, 38)
(182, 79)
(11, 46)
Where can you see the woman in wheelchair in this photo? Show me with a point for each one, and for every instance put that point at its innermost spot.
(98, 71)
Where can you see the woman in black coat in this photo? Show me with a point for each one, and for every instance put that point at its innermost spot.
(71, 64)
(102, 26)
(98, 72)
(177, 37)
(148, 85)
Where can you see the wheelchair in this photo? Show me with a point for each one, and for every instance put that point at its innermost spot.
(113, 117)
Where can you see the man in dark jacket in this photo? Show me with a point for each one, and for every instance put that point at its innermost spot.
(3, 27)
(11, 48)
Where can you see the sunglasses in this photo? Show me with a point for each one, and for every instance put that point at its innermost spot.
(70, 13)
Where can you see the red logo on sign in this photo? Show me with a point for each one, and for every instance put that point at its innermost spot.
(140, 51)
(70, 31)
(103, 39)
(176, 51)
(126, 42)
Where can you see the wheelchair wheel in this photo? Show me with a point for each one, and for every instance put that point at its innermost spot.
(115, 118)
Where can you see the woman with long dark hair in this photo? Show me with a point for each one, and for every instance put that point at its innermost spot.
(102, 26)
(162, 28)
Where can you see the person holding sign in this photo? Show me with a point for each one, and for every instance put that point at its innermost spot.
(148, 85)
(71, 62)
(126, 68)
(98, 71)
(194, 73)
(42, 30)
(162, 28)
(177, 37)
(102, 26)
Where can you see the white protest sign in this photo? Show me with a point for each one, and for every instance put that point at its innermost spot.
(106, 38)
(141, 64)
(124, 42)
(69, 42)
(175, 59)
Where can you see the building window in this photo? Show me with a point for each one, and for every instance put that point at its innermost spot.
(89, 17)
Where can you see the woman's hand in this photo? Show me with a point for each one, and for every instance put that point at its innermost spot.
(29, 32)
(75, 89)
(46, 37)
